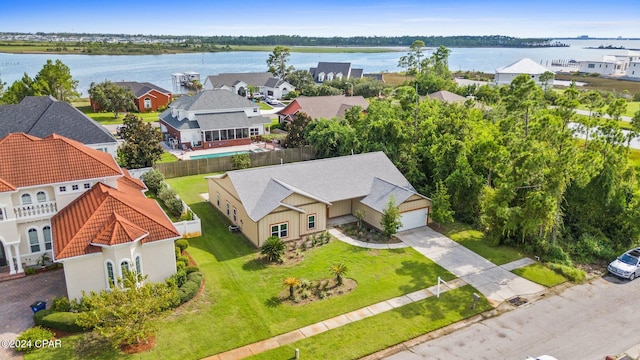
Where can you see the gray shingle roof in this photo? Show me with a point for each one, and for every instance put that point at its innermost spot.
(141, 88)
(42, 116)
(378, 196)
(369, 175)
(229, 120)
(335, 68)
(212, 100)
(256, 79)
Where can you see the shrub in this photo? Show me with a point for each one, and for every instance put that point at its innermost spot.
(273, 248)
(574, 275)
(180, 277)
(241, 161)
(180, 265)
(187, 216)
(191, 269)
(195, 276)
(154, 180)
(183, 259)
(65, 321)
(190, 288)
(171, 200)
(37, 317)
(182, 244)
(30, 271)
(636, 96)
(27, 340)
(60, 303)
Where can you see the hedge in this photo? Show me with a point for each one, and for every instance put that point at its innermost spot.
(65, 321)
(190, 288)
(27, 341)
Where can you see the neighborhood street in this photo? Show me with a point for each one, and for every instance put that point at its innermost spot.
(583, 322)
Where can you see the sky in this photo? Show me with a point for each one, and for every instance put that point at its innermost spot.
(325, 18)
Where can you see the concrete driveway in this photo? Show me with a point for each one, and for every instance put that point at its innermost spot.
(495, 282)
(16, 296)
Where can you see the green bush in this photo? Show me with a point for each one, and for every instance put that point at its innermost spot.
(30, 271)
(182, 244)
(180, 277)
(190, 269)
(574, 275)
(183, 259)
(636, 96)
(241, 161)
(65, 321)
(37, 317)
(195, 277)
(154, 180)
(273, 248)
(60, 303)
(27, 340)
(171, 200)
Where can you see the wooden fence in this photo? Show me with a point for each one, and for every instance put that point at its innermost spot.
(220, 164)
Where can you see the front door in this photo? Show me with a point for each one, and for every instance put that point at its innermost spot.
(3, 258)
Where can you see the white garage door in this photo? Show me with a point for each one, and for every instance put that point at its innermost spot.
(413, 219)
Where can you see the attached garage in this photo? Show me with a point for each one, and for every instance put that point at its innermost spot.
(413, 219)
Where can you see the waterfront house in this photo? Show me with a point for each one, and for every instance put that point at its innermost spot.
(212, 118)
(506, 74)
(298, 199)
(322, 107)
(238, 83)
(328, 71)
(42, 116)
(149, 97)
(65, 202)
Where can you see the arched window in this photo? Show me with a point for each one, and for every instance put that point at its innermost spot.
(26, 199)
(41, 196)
(34, 243)
(125, 267)
(138, 264)
(46, 231)
(147, 103)
(111, 276)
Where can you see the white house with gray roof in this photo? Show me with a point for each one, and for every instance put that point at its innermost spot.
(212, 118)
(42, 116)
(265, 82)
(295, 200)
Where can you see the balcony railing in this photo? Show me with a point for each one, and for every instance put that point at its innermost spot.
(35, 210)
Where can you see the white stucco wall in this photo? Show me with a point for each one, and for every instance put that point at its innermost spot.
(84, 273)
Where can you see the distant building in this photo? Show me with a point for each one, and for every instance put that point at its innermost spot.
(149, 97)
(265, 82)
(317, 107)
(506, 74)
(328, 71)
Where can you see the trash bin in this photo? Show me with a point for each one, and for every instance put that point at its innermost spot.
(38, 305)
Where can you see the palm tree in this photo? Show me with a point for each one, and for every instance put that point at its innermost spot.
(339, 270)
(291, 282)
(273, 248)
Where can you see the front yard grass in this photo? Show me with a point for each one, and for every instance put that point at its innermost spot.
(475, 241)
(540, 274)
(240, 303)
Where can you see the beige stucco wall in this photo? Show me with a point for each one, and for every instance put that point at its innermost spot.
(84, 273)
(158, 260)
(340, 208)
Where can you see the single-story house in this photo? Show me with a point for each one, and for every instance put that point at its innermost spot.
(212, 118)
(149, 97)
(265, 82)
(328, 71)
(322, 107)
(76, 206)
(297, 199)
(42, 116)
(506, 74)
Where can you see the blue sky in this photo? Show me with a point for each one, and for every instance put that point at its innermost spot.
(543, 18)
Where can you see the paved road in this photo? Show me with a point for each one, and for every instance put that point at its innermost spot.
(583, 322)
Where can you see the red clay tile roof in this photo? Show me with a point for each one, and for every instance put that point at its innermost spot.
(107, 216)
(133, 181)
(28, 160)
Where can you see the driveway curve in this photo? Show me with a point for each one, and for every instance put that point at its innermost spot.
(495, 282)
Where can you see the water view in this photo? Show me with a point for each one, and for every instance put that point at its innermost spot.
(157, 69)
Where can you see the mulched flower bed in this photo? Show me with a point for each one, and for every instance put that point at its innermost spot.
(318, 290)
(367, 233)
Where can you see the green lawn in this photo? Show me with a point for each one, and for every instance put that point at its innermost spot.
(632, 108)
(107, 118)
(475, 241)
(540, 274)
(167, 157)
(240, 302)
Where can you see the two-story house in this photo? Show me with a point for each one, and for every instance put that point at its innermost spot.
(238, 83)
(328, 71)
(73, 204)
(212, 118)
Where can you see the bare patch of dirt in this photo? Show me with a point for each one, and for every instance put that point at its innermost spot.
(318, 290)
(142, 346)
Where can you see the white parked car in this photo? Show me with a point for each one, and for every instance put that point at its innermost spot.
(541, 357)
(627, 265)
(271, 100)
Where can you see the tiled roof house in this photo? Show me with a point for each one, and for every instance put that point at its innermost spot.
(76, 205)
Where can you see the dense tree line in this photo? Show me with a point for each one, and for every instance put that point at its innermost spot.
(53, 79)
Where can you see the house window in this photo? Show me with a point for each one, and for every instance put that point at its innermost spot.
(147, 103)
(47, 237)
(254, 131)
(111, 277)
(311, 222)
(41, 196)
(591, 66)
(138, 264)
(26, 199)
(280, 230)
(228, 209)
(321, 77)
(329, 76)
(235, 215)
(62, 189)
(125, 267)
(87, 186)
(74, 187)
(218, 199)
(2, 212)
(34, 243)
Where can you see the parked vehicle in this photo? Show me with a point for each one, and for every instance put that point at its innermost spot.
(541, 357)
(271, 100)
(627, 265)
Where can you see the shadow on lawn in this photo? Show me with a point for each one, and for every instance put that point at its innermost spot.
(273, 302)
(216, 238)
(422, 276)
(254, 264)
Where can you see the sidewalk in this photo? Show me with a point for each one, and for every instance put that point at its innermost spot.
(335, 322)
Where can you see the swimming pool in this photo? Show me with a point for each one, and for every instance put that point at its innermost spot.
(217, 155)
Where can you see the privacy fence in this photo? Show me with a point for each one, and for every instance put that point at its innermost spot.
(220, 164)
